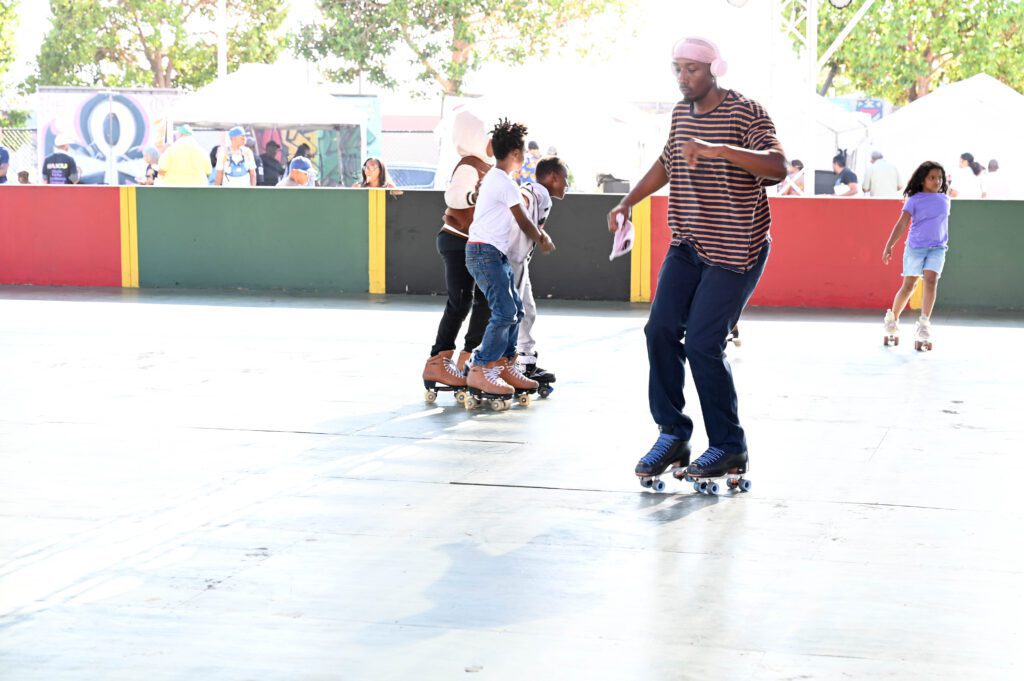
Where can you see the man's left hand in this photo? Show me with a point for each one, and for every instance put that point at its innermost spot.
(696, 149)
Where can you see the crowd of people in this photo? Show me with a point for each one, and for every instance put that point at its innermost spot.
(184, 163)
(882, 179)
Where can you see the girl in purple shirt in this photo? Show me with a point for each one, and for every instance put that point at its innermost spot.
(926, 211)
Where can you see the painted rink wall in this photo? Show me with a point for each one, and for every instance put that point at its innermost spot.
(826, 253)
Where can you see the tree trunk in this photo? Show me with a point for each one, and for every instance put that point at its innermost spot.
(832, 71)
(923, 83)
(156, 65)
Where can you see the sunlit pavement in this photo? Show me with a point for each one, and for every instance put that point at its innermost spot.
(250, 486)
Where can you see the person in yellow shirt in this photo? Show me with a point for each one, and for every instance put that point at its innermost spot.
(184, 163)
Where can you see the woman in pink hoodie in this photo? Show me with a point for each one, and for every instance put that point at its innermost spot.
(464, 298)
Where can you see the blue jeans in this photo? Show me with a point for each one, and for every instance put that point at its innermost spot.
(493, 274)
(700, 302)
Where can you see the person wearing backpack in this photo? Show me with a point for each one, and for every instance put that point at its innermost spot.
(236, 166)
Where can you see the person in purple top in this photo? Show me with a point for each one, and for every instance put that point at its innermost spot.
(926, 212)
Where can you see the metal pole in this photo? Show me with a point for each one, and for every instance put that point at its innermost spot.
(844, 33)
(811, 37)
(222, 38)
(812, 44)
(108, 135)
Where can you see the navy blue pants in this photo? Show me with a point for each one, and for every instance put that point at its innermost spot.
(694, 309)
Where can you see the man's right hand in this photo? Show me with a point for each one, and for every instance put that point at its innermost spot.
(546, 244)
(613, 217)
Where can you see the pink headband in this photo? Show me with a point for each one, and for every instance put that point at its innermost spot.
(703, 51)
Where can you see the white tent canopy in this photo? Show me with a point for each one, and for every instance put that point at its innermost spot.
(973, 115)
(593, 133)
(263, 96)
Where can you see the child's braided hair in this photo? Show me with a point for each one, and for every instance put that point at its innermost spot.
(507, 137)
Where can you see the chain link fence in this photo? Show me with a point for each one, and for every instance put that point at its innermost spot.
(21, 142)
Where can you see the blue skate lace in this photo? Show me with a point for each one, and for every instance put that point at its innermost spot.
(660, 448)
(712, 456)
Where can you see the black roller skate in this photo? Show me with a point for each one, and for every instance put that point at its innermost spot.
(528, 365)
(670, 452)
(716, 464)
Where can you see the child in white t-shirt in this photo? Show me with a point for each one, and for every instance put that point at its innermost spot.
(498, 219)
(552, 181)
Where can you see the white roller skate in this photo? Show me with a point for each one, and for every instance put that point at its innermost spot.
(892, 330)
(923, 335)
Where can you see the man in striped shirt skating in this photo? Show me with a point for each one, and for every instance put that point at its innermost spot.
(721, 154)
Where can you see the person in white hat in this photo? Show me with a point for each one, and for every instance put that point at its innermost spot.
(721, 153)
(59, 167)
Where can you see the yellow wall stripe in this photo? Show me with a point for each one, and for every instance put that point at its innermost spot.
(378, 210)
(640, 257)
(917, 297)
(129, 238)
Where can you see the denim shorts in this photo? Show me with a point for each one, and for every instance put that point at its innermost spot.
(917, 260)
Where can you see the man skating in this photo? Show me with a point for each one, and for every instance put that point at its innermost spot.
(721, 153)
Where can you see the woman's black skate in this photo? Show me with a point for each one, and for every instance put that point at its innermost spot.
(715, 464)
(670, 452)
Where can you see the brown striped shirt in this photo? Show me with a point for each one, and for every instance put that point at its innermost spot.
(719, 208)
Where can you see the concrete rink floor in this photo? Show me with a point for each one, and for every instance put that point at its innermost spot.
(249, 486)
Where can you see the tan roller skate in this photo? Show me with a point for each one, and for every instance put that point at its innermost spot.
(892, 330)
(923, 334)
(441, 375)
(524, 387)
(461, 363)
(485, 383)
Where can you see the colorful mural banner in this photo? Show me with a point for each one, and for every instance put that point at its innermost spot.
(332, 169)
(108, 129)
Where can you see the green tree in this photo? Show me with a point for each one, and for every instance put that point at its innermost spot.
(8, 23)
(903, 50)
(448, 39)
(155, 43)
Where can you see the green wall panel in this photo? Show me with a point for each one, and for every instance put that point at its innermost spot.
(267, 238)
(983, 267)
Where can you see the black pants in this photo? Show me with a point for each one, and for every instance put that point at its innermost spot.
(463, 296)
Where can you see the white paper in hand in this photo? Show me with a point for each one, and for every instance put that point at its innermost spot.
(623, 242)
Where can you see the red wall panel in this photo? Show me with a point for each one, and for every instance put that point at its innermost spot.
(60, 236)
(825, 253)
(660, 238)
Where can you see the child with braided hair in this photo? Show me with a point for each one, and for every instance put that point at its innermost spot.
(498, 219)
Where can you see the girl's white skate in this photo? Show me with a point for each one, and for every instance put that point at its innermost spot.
(892, 330)
(923, 336)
